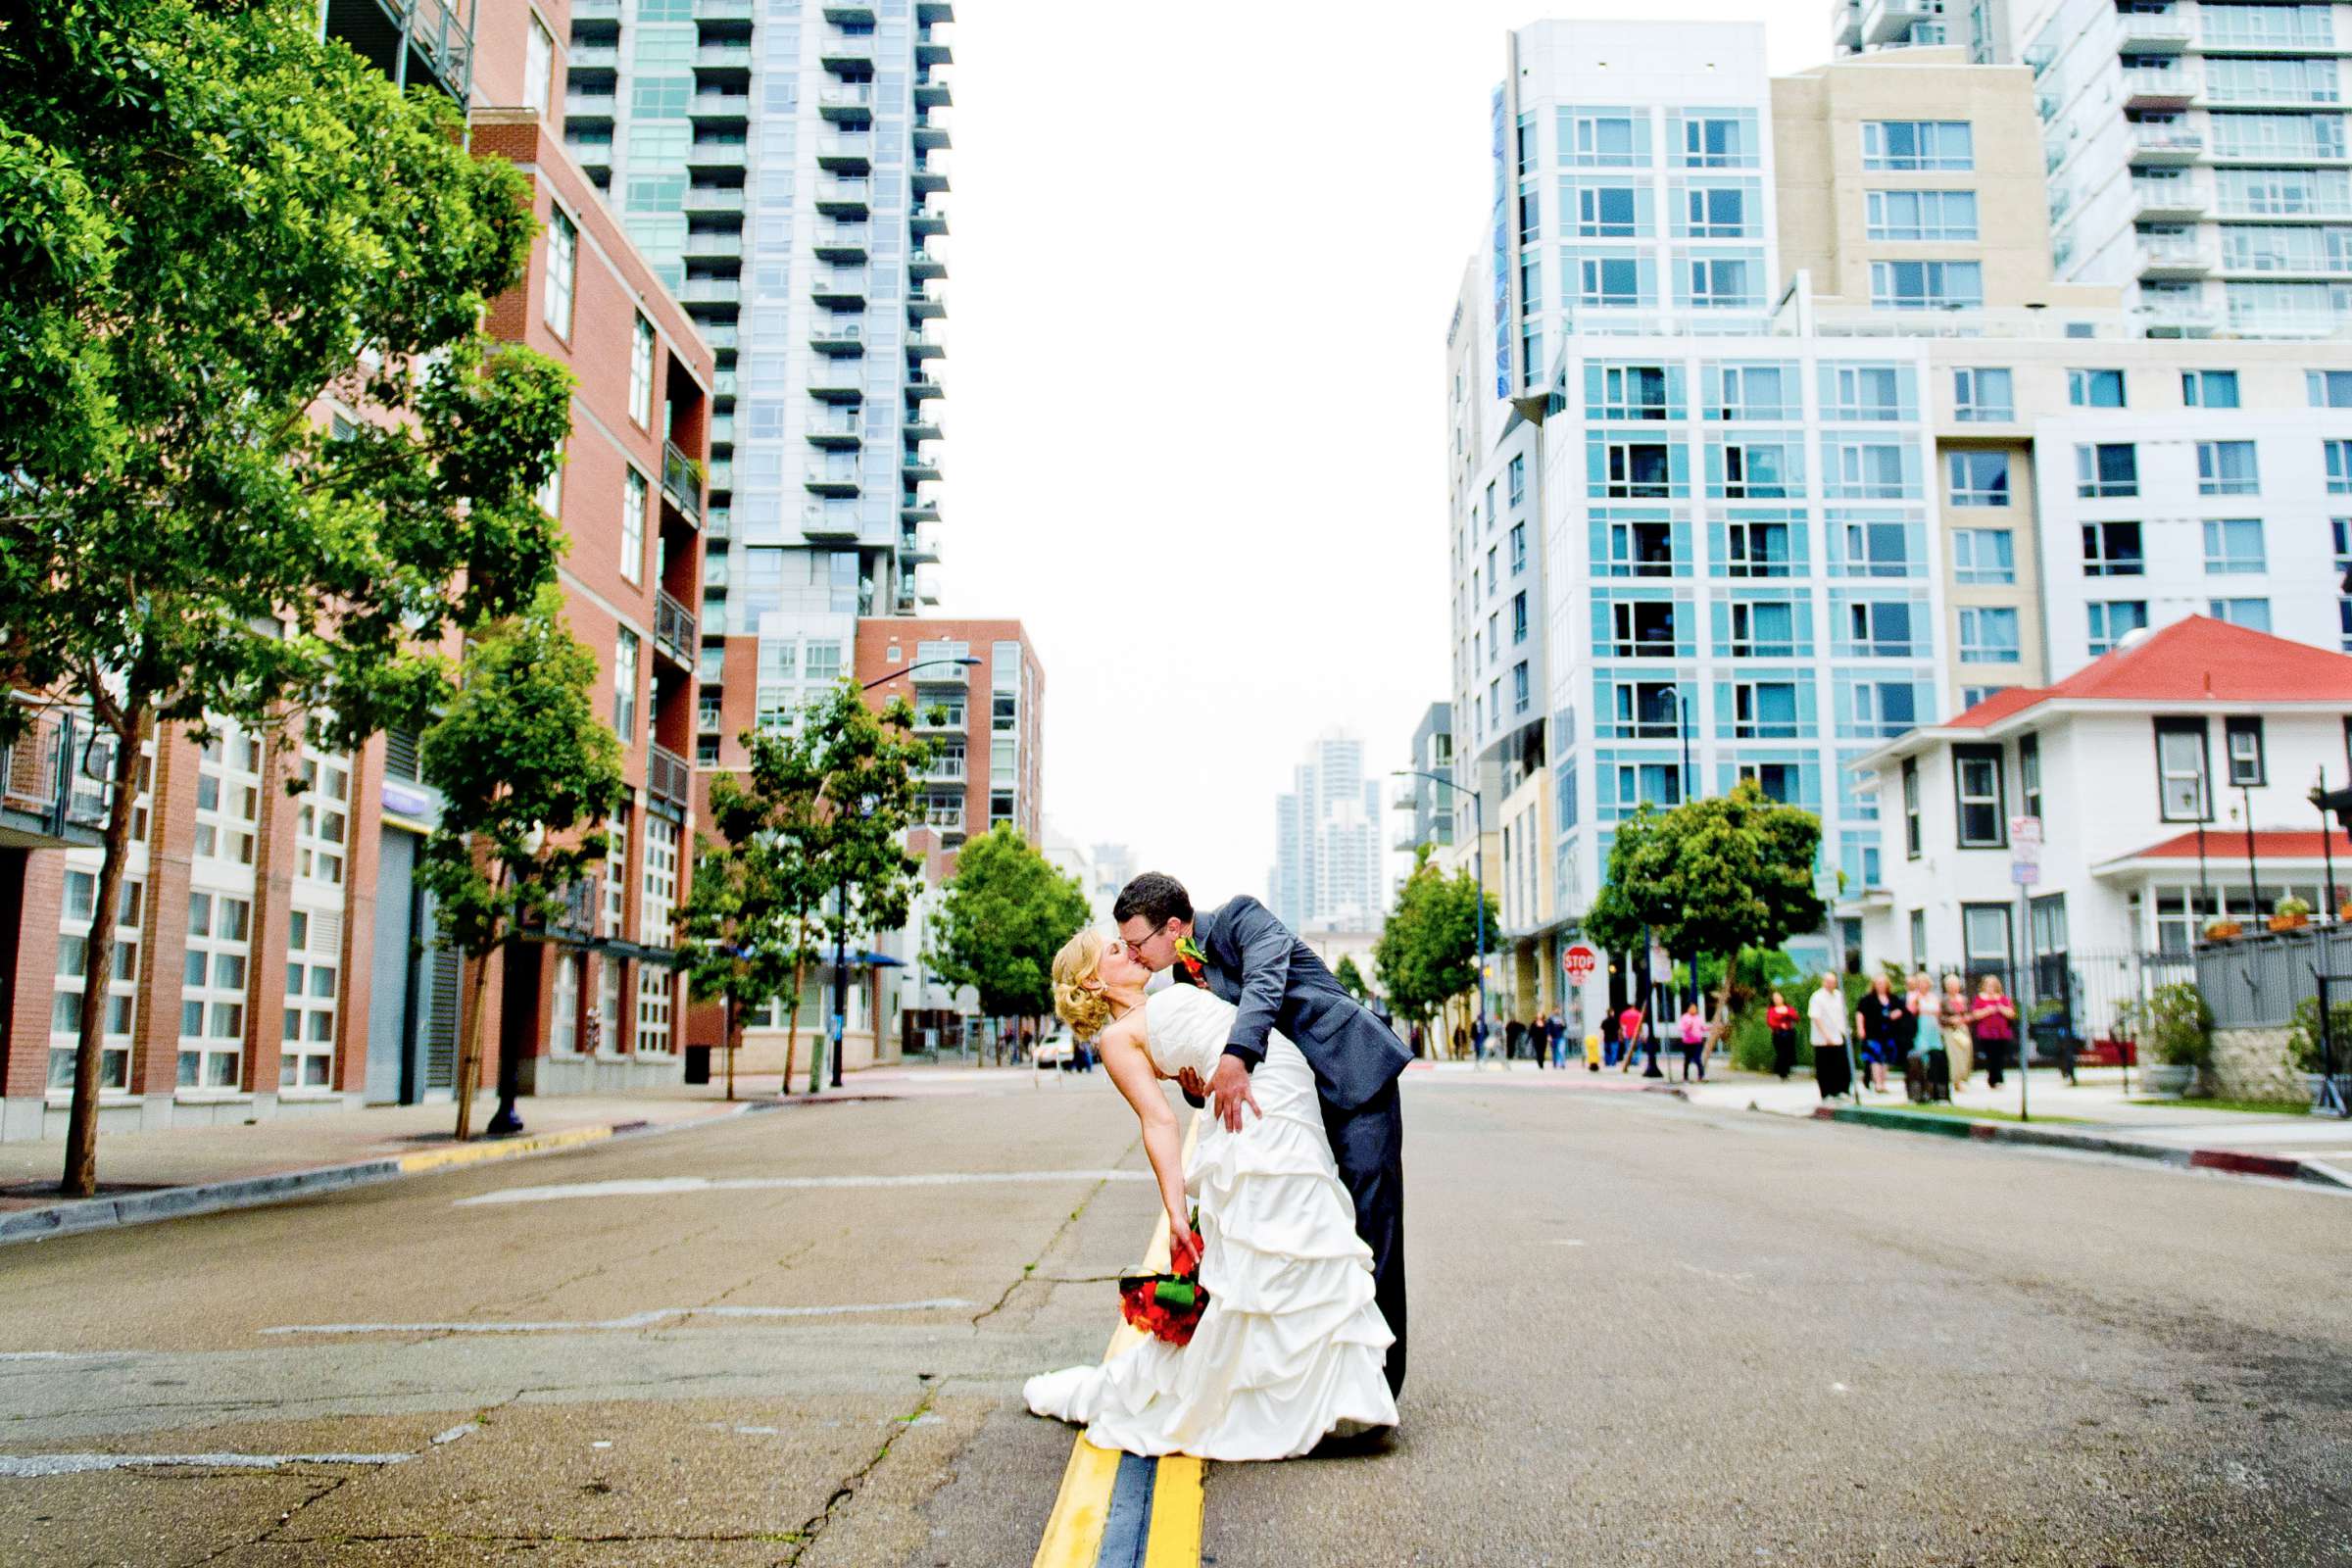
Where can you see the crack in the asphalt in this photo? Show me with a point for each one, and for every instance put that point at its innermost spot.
(334, 1483)
(1029, 1269)
(816, 1521)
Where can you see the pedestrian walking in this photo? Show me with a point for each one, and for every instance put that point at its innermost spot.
(1514, 1036)
(1925, 1005)
(1994, 1018)
(1833, 1063)
(1631, 1029)
(1959, 1041)
(1461, 1042)
(1878, 1023)
(1555, 1028)
(1781, 1019)
(1694, 1042)
(1612, 1039)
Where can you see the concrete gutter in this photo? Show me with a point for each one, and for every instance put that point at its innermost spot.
(2282, 1167)
(283, 1187)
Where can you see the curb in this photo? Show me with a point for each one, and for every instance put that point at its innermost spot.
(281, 1187)
(2278, 1167)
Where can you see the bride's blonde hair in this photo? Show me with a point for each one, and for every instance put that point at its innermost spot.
(1084, 1010)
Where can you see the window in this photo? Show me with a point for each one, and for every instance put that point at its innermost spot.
(1722, 282)
(1615, 281)
(1915, 144)
(1494, 558)
(656, 983)
(1605, 139)
(1880, 628)
(1983, 396)
(1870, 470)
(1871, 393)
(1522, 694)
(2107, 469)
(1517, 476)
(322, 817)
(1919, 939)
(211, 993)
(1911, 806)
(2180, 770)
(2252, 614)
(1518, 618)
(562, 260)
(1980, 478)
(1984, 556)
(551, 488)
(2096, 389)
(1884, 706)
(73, 986)
(2029, 774)
(2339, 466)
(1762, 629)
(538, 67)
(307, 1051)
(1983, 814)
(1984, 941)
(2232, 544)
(1645, 710)
(1716, 212)
(2209, 389)
(1628, 391)
(1756, 470)
(1495, 637)
(1757, 549)
(2243, 737)
(641, 373)
(1971, 695)
(2330, 389)
(2114, 619)
(1610, 210)
(1635, 469)
(229, 795)
(1642, 629)
(1764, 710)
(1926, 285)
(625, 686)
(1722, 138)
(2225, 469)
(1518, 548)
(1987, 635)
(1752, 392)
(634, 491)
(1920, 215)
(1874, 550)
(2111, 550)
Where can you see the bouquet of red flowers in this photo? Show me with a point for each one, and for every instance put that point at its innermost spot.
(1166, 1306)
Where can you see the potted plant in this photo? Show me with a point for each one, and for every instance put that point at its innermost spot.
(2222, 930)
(2290, 912)
(2178, 1030)
(2303, 1045)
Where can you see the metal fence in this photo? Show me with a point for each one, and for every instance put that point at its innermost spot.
(2070, 1004)
(2255, 982)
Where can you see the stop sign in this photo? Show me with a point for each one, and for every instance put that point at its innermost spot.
(1580, 960)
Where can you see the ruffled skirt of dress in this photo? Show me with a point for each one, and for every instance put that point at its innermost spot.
(1291, 1346)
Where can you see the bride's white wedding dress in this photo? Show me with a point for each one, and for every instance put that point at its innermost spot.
(1291, 1345)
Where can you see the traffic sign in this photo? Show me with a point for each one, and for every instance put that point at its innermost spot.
(2025, 851)
(1580, 960)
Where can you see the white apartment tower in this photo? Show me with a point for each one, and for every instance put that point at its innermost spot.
(778, 164)
(1327, 841)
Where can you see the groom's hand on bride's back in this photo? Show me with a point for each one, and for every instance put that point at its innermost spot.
(1230, 1085)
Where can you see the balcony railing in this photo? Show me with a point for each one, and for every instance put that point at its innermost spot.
(42, 777)
(682, 481)
(673, 627)
(944, 771)
(669, 777)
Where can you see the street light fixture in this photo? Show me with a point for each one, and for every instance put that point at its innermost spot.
(1478, 856)
(841, 931)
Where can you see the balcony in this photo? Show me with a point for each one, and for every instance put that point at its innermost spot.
(714, 198)
(2164, 32)
(936, 673)
(711, 243)
(2174, 256)
(725, 54)
(930, 51)
(840, 196)
(412, 41)
(926, 221)
(2179, 198)
(820, 521)
(924, 262)
(848, 104)
(719, 334)
(2178, 319)
(838, 291)
(835, 380)
(673, 629)
(669, 778)
(2165, 144)
(860, 12)
(943, 718)
(715, 153)
(1892, 21)
(2152, 88)
(927, 585)
(919, 387)
(921, 345)
(834, 431)
(846, 51)
(932, 92)
(947, 769)
(922, 508)
(830, 480)
(929, 173)
(712, 290)
(588, 107)
(846, 155)
(720, 104)
(919, 546)
(593, 58)
(840, 336)
(47, 801)
(840, 242)
(1845, 34)
(682, 482)
(921, 426)
(929, 133)
(925, 305)
(917, 468)
(722, 475)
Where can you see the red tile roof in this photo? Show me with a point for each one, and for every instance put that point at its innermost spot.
(2197, 659)
(2229, 844)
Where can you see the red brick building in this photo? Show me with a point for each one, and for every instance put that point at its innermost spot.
(269, 956)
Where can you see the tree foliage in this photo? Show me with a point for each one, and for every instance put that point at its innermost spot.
(1427, 954)
(528, 774)
(1008, 911)
(213, 223)
(1351, 978)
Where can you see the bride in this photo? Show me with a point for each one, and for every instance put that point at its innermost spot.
(1289, 1348)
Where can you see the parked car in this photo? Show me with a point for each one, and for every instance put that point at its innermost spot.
(1054, 1050)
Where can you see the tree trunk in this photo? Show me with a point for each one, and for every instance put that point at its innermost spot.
(734, 1039)
(470, 1045)
(800, 973)
(81, 1178)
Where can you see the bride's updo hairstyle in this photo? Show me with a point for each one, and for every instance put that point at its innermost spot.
(1085, 1011)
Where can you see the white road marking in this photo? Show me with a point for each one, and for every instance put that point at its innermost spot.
(664, 1186)
(28, 1466)
(635, 1320)
(1741, 1279)
(1563, 1243)
(462, 1429)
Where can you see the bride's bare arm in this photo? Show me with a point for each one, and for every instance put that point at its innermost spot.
(1130, 1068)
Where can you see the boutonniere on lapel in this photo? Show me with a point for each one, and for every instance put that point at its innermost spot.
(1194, 961)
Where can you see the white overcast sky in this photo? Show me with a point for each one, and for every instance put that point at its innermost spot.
(1200, 262)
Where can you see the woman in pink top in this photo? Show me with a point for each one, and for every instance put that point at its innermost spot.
(1695, 1042)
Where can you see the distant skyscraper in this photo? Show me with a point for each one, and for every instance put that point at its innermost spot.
(1327, 853)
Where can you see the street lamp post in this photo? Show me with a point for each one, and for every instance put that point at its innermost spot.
(1478, 858)
(840, 925)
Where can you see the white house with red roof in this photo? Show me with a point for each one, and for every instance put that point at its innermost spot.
(2147, 768)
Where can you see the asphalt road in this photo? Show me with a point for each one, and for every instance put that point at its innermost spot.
(1643, 1334)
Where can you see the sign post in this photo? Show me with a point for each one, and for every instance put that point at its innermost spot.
(2025, 870)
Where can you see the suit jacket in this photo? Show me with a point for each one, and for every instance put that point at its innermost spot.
(1278, 983)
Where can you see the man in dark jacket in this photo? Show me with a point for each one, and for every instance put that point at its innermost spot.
(1251, 959)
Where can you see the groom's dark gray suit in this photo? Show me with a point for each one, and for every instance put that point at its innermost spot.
(1256, 963)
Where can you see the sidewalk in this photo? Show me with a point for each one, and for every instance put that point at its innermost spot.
(147, 1176)
(2094, 1113)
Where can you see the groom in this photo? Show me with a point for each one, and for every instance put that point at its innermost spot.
(1251, 959)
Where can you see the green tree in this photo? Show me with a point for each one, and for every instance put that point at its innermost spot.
(528, 773)
(1427, 954)
(738, 927)
(1008, 911)
(215, 222)
(1713, 876)
(1351, 978)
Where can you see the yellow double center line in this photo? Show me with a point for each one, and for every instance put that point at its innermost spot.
(1119, 1510)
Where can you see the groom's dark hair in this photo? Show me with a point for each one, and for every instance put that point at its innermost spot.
(1156, 896)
